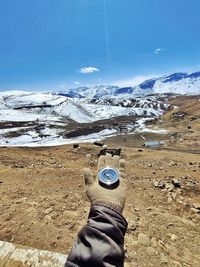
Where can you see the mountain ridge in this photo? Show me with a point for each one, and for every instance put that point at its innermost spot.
(176, 83)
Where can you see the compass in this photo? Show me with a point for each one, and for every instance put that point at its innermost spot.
(108, 176)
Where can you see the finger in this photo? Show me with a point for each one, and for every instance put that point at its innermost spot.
(108, 160)
(122, 174)
(122, 164)
(115, 162)
(88, 176)
(101, 162)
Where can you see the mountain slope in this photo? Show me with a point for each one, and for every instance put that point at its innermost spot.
(176, 83)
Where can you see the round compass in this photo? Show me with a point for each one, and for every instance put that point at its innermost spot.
(108, 176)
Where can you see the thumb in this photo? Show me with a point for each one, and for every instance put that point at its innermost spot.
(88, 176)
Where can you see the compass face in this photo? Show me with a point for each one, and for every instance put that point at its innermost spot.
(109, 176)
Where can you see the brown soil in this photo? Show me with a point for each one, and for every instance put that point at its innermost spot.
(43, 202)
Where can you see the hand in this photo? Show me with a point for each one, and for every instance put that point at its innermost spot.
(113, 198)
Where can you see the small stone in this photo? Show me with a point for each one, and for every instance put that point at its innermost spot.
(137, 209)
(173, 237)
(21, 200)
(176, 183)
(143, 239)
(196, 206)
(47, 217)
(132, 227)
(156, 183)
(195, 210)
(163, 259)
(169, 186)
(48, 211)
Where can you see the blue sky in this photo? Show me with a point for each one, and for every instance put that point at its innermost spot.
(51, 44)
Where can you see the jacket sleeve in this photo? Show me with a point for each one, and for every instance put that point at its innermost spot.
(101, 242)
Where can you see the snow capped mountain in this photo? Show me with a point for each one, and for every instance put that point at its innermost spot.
(89, 92)
(176, 83)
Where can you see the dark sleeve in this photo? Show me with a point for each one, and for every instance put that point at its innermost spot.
(101, 242)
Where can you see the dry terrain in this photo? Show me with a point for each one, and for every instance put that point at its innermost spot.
(43, 202)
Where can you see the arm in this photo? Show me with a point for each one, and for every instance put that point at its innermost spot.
(101, 242)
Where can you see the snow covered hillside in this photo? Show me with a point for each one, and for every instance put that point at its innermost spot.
(31, 106)
(43, 118)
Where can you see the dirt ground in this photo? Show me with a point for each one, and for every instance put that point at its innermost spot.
(43, 202)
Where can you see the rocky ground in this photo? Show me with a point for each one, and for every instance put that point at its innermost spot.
(43, 202)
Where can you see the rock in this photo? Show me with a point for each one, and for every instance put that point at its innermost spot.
(48, 211)
(173, 237)
(132, 227)
(176, 183)
(47, 217)
(143, 239)
(195, 210)
(161, 185)
(156, 183)
(21, 200)
(169, 186)
(163, 259)
(196, 206)
(136, 209)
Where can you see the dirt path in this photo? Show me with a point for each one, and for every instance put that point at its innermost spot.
(43, 202)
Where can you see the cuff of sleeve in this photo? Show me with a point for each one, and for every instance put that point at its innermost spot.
(107, 216)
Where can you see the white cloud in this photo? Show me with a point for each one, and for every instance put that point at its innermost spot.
(87, 70)
(133, 81)
(77, 83)
(158, 50)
